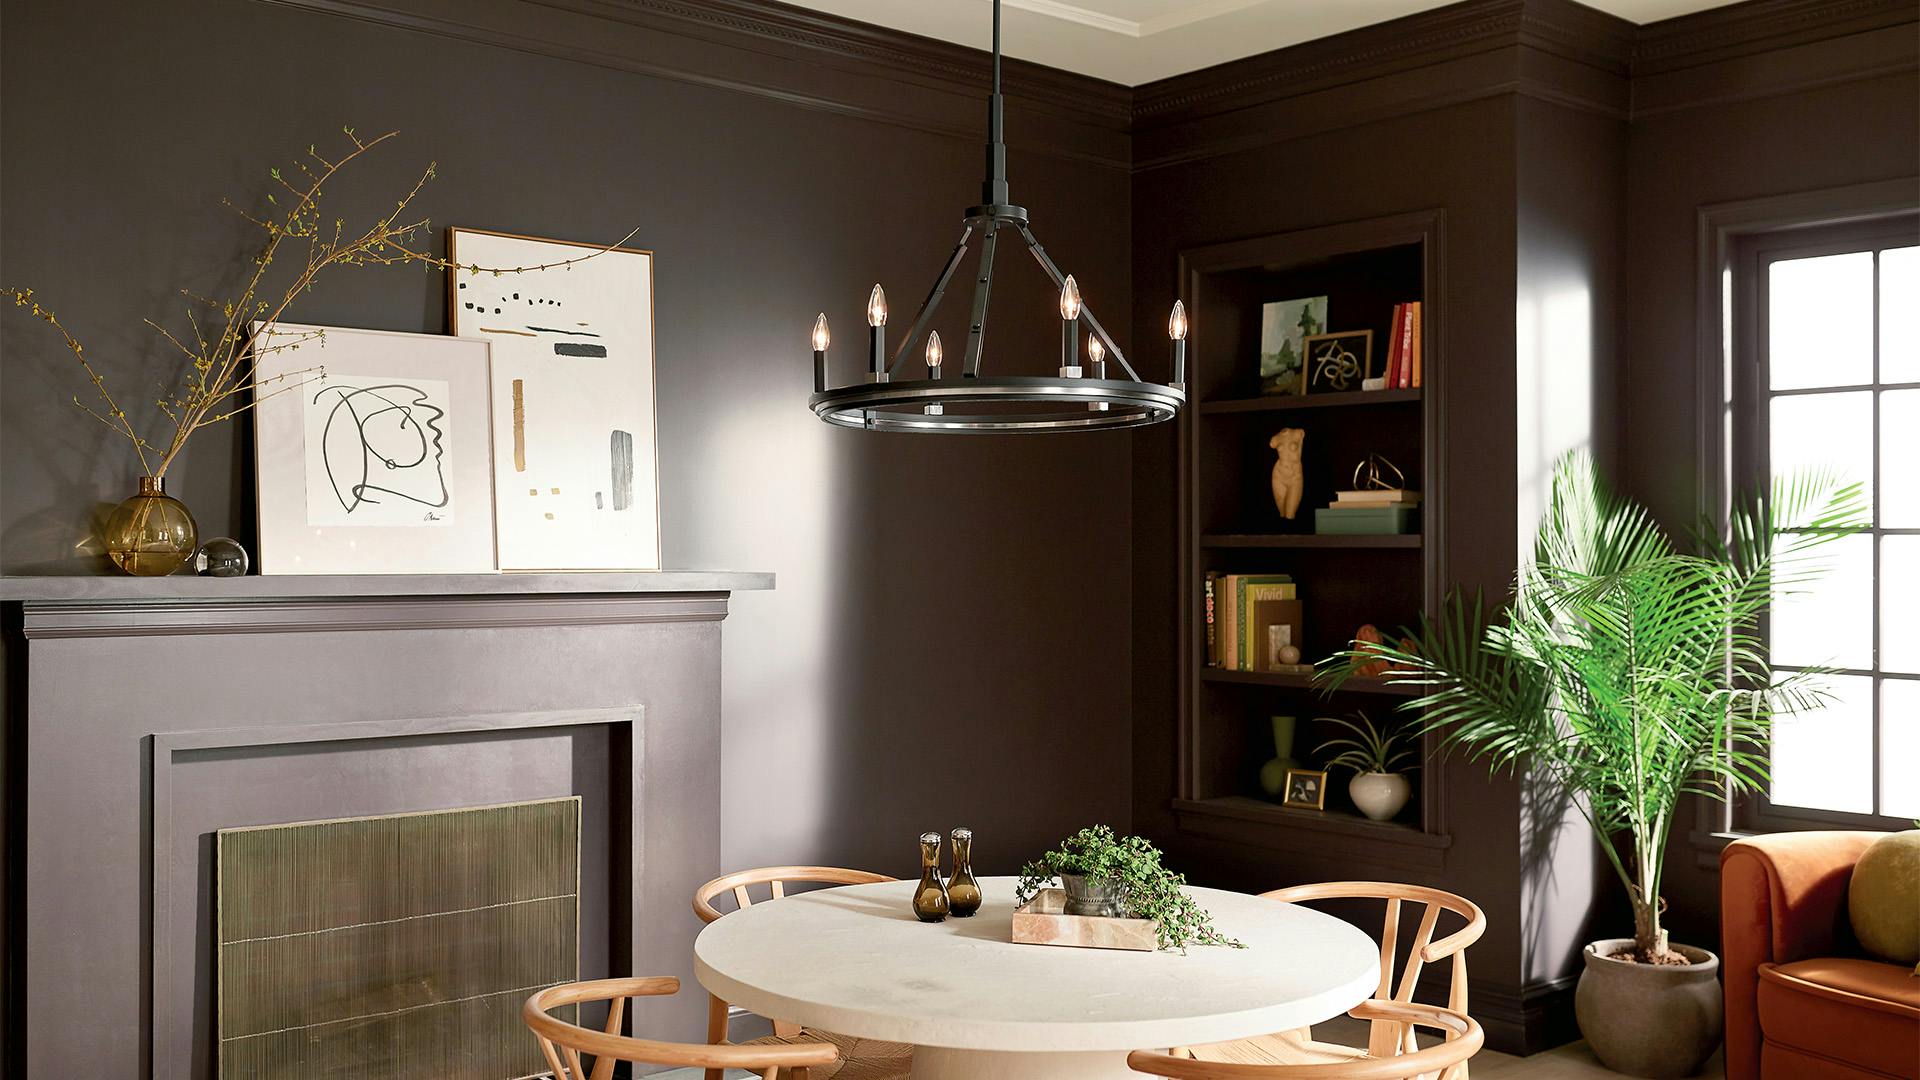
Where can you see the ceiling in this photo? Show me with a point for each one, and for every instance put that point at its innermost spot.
(1137, 41)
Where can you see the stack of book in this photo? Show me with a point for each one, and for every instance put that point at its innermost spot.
(1384, 511)
(1404, 348)
(1240, 610)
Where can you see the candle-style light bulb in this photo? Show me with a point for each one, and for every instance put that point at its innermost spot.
(877, 334)
(1070, 328)
(1097, 359)
(935, 354)
(1177, 330)
(820, 339)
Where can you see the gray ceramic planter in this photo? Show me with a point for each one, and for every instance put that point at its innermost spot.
(1647, 1020)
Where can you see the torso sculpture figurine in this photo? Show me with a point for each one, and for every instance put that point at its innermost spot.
(1289, 481)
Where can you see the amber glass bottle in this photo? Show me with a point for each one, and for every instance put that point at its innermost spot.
(963, 891)
(930, 897)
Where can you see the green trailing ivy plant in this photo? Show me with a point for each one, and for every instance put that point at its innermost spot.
(1153, 891)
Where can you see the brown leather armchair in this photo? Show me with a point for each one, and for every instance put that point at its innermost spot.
(1803, 1002)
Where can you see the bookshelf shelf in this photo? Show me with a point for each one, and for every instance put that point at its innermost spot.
(1311, 401)
(1231, 527)
(1307, 541)
(1305, 682)
(1258, 823)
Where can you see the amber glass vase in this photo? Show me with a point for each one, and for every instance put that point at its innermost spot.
(151, 534)
(930, 896)
(963, 890)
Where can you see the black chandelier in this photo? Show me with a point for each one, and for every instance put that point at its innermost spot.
(1080, 398)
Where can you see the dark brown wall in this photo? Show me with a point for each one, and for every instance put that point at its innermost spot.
(1786, 114)
(950, 612)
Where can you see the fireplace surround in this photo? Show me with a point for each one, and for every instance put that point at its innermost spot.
(145, 715)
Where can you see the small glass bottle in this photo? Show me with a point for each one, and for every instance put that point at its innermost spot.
(930, 896)
(963, 891)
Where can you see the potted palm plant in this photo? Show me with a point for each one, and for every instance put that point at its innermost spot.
(1379, 758)
(1628, 672)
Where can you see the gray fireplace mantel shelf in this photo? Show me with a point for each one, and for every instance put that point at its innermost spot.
(119, 590)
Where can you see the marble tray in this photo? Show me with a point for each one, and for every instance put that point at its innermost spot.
(1044, 921)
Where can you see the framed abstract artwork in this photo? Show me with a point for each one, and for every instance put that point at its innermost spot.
(575, 478)
(373, 452)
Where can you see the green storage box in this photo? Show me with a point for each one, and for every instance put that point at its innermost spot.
(1366, 520)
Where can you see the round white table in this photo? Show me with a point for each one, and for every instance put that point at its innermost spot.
(976, 1006)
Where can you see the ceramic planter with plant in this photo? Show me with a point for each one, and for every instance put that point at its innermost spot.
(1626, 672)
(1121, 877)
(1379, 758)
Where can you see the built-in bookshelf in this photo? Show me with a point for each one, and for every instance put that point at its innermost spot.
(1230, 523)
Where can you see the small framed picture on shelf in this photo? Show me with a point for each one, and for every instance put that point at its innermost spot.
(1284, 326)
(1306, 789)
(1337, 362)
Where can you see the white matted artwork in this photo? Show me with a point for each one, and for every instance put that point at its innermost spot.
(573, 397)
(373, 452)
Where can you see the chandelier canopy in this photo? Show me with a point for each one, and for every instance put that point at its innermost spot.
(1081, 397)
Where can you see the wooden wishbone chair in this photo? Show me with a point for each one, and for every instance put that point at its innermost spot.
(860, 1059)
(564, 1043)
(1385, 1037)
(1443, 1061)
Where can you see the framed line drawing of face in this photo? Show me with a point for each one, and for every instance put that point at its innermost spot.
(575, 474)
(373, 452)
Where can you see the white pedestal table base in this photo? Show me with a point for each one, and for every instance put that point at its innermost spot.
(941, 1063)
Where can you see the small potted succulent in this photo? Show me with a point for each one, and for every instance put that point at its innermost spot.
(1121, 877)
(1378, 757)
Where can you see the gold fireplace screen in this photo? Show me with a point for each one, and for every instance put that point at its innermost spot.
(392, 947)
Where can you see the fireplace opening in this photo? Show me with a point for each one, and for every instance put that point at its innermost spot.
(394, 946)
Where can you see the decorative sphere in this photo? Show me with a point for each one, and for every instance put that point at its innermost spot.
(1289, 654)
(221, 556)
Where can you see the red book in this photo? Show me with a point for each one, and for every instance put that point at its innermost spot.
(1393, 345)
(1404, 374)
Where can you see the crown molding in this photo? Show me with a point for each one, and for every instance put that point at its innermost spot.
(775, 51)
(1737, 30)
(1560, 29)
(1558, 51)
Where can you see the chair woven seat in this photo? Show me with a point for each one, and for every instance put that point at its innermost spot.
(1280, 1048)
(860, 1059)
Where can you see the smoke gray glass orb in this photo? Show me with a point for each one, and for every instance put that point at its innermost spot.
(222, 556)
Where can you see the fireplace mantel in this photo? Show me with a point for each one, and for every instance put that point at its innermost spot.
(147, 712)
(318, 586)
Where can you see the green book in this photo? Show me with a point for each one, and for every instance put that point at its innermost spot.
(1252, 588)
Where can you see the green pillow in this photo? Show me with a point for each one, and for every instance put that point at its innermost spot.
(1883, 898)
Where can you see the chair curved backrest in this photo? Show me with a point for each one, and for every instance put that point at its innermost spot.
(1443, 1061)
(775, 878)
(1385, 1036)
(563, 1043)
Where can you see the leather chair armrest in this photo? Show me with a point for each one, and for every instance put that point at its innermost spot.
(1783, 898)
